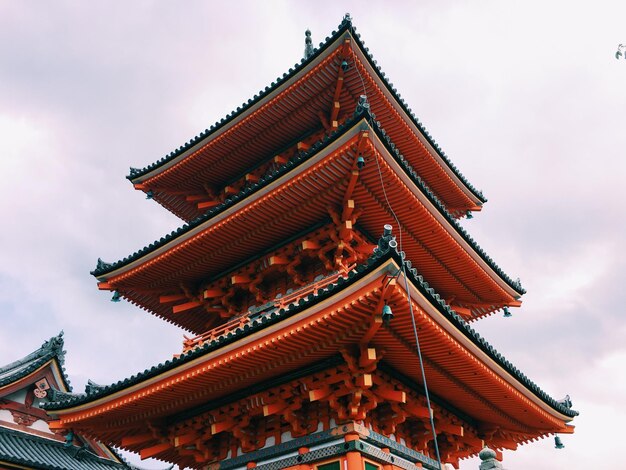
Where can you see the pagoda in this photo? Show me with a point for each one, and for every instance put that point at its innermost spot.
(26, 440)
(327, 289)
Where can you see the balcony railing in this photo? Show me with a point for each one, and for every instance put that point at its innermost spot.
(278, 303)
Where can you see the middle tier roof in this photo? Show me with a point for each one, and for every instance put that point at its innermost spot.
(297, 197)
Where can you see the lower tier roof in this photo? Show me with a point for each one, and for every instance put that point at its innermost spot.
(462, 368)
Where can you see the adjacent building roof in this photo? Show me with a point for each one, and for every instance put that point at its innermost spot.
(30, 451)
(51, 349)
(22, 448)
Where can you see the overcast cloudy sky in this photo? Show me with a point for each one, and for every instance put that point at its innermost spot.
(527, 98)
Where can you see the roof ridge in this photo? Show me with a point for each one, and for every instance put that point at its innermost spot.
(51, 348)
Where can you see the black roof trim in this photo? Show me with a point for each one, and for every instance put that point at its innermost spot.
(345, 25)
(380, 255)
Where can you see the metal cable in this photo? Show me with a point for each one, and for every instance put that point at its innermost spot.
(406, 287)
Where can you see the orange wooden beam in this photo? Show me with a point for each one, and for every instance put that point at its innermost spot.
(418, 411)
(166, 299)
(213, 293)
(319, 394)
(197, 197)
(222, 426)
(274, 408)
(185, 439)
(310, 245)
(154, 450)
(454, 429)
(137, 439)
(368, 357)
(389, 394)
(278, 260)
(208, 204)
(348, 208)
(186, 306)
(364, 381)
(240, 279)
(105, 286)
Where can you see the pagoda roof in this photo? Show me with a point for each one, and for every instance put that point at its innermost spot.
(274, 316)
(30, 451)
(415, 142)
(111, 271)
(51, 349)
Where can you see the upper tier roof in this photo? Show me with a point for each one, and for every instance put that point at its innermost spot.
(289, 109)
(225, 235)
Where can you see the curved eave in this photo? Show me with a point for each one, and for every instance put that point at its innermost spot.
(142, 258)
(287, 323)
(411, 179)
(418, 128)
(374, 75)
(242, 112)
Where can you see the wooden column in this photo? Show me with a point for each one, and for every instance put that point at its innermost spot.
(353, 459)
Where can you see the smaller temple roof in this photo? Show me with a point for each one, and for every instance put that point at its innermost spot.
(30, 451)
(52, 348)
(27, 449)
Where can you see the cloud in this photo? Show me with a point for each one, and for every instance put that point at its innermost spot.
(526, 99)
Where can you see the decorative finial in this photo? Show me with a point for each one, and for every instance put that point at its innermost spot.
(347, 18)
(102, 265)
(565, 402)
(308, 44)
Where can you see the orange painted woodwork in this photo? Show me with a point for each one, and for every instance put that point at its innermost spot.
(287, 288)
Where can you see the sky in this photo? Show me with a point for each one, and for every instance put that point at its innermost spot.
(526, 98)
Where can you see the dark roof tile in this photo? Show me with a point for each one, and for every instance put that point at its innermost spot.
(31, 451)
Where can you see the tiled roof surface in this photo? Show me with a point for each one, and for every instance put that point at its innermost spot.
(31, 451)
(103, 268)
(274, 315)
(53, 348)
(346, 25)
